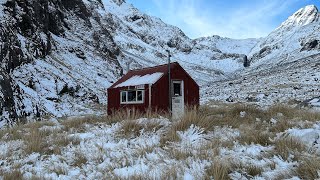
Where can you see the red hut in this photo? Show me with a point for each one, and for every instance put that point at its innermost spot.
(148, 88)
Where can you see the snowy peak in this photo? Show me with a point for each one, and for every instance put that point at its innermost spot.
(119, 2)
(303, 16)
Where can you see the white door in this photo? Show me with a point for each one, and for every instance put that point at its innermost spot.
(177, 99)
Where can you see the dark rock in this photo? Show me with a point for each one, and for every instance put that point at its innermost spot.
(312, 44)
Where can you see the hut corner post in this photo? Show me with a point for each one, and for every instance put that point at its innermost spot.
(169, 81)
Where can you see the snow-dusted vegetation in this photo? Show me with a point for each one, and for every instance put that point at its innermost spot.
(215, 142)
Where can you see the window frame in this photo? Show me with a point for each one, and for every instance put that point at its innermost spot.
(132, 102)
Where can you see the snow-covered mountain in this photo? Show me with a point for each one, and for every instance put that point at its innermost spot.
(297, 37)
(285, 66)
(58, 57)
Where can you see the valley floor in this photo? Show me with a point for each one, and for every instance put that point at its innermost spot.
(214, 142)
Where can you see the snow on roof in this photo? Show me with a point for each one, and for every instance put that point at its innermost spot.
(139, 80)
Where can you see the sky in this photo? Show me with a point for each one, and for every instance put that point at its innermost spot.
(237, 19)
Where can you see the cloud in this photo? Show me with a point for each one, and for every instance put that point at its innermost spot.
(198, 18)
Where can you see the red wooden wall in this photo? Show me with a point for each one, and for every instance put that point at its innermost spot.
(160, 92)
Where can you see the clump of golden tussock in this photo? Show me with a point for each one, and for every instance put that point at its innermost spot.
(170, 173)
(79, 159)
(126, 114)
(35, 141)
(253, 170)
(287, 146)
(11, 134)
(13, 175)
(59, 170)
(58, 140)
(218, 170)
(191, 117)
(179, 154)
(130, 128)
(133, 128)
(77, 124)
(281, 125)
(285, 110)
(252, 136)
(309, 168)
(17, 132)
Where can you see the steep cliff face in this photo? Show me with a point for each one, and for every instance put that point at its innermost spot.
(49, 52)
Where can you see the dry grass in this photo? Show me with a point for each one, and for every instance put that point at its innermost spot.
(179, 154)
(252, 136)
(289, 146)
(252, 131)
(58, 140)
(282, 125)
(18, 131)
(59, 170)
(79, 160)
(133, 114)
(130, 128)
(133, 128)
(13, 175)
(286, 110)
(218, 171)
(253, 170)
(191, 117)
(170, 173)
(35, 141)
(309, 168)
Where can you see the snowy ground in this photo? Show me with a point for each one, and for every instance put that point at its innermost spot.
(239, 142)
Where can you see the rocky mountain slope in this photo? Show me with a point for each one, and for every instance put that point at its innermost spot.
(285, 66)
(58, 57)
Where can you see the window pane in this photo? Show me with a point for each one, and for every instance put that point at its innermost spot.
(123, 96)
(132, 96)
(176, 89)
(139, 95)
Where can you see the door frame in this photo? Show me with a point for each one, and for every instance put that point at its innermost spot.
(181, 82)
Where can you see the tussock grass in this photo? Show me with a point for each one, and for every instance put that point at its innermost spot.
(58, 140)
(59, 170)
(180, 154)
(309, 168)
(253, 170)
(35, 141)
(17, 132)
(287, 111)
(133, 128)
(77, 124)
(289, 146)
(130, 128)
(282, 125)
(252, 136)
(191, 117)
(218, 170)
(255, 127)
(170, 173)
(79, 159)
(13, 175)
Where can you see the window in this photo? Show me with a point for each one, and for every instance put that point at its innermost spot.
(176, 89)
(132, 96)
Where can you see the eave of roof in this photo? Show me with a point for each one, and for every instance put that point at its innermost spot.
(144, 71)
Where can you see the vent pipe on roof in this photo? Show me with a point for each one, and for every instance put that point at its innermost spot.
(128, 65)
